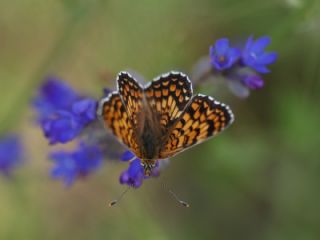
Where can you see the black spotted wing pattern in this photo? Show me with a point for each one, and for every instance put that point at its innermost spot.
(203, 118)
(167, 97)
(131, 94)
(114, 115)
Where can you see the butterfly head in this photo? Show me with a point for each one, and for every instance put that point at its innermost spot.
(148, 166)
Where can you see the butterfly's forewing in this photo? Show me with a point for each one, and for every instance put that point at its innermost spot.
(131, 94)
(115, 116)
(203, 117)
(167, 97)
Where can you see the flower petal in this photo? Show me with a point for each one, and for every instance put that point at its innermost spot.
(253, 81)
(249, 43)
(261, 69)
(85, 109)
(221, 46)
(124, 177)
(50, 98)
(267, 58)
(254, 56)
(73, 165)
(260, 44)
(233, 54)
(222, 56)
(135, 168)
(62, 127)
(127, 155)
(11, 153)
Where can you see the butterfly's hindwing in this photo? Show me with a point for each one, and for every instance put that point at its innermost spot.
(131, 94)
(115, 116)
(168, 95)
(204, 117)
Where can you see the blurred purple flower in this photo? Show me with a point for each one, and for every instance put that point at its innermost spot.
(11, 154)
(70, 166)
(85, 110)
(254, 55)
(106, 92)
(53, 95)
(242, 80)
(61, 127)
(253, 81)
(62, 112)
(222, 55)
(127, 156)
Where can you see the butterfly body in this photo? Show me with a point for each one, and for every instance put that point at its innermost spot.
(163, 118)
(149, 136)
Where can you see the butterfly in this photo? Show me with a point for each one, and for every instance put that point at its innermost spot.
(162, 118)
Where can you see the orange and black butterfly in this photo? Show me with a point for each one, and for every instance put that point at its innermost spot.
(162, 118)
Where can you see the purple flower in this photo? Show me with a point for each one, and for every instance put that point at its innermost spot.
(61, 127)
(85, 110)
(222, 55)
(106, 92)
(11, 153)
(53, 95)
(254, 55)
(134, 175)
(253, 81)
(63, 113)
(242, 79)
(70, 166)
(127, 156)
(240, 67)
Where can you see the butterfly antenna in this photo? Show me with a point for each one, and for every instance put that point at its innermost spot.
(114, 202)
(183, 203)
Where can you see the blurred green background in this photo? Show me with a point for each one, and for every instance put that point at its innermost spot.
(258, 180)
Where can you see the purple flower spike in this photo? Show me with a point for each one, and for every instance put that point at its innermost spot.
(53, 95)
(70, 166)
(85, 110)
(62, 127)
(254, 55)
(11, 153)
(222, 56)
(62, 112)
